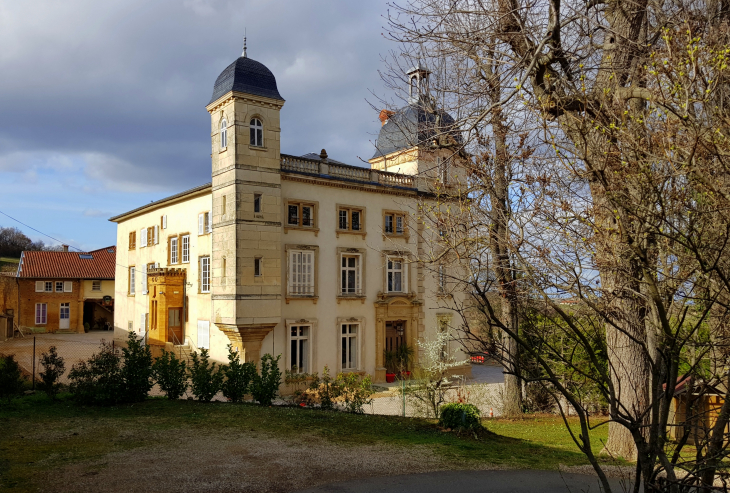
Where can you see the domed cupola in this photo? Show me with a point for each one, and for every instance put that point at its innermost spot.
(420, 123)
(247, 76)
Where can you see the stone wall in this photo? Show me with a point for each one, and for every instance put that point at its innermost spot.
(8, 293)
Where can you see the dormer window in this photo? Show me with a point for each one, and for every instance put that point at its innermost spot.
(224, 134)
(257, 133)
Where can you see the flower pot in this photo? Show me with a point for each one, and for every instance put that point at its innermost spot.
(405, 374)
(390, 377)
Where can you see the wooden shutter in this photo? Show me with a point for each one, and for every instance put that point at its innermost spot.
(40, 286)
(143, 237)
(201, 224)
(157, 234)
(203, 334)
(143, 279)
(164, 221)
(209, 226)
(68, 286)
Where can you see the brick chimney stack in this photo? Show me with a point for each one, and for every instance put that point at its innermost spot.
(384, 116)
(64, 248)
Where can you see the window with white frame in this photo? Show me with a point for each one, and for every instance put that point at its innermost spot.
(185, 249)
(131, 280)
(59, 286)
(96, 285)
(173, 250)
(299, 348)
(301, 273)
(349, 347)
(396, 275)
(41, 313)
(205, 274)
(257, 132)
(48, 287)
(224, 134)
(350, 273)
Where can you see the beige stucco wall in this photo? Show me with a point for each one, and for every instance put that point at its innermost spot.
(107, 289)
(182, 217)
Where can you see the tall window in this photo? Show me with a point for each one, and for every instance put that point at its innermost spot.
(224, 134)
(205, 274)
(257, 133)
(131, 280)
(185, 249)
(349, 346)
(257, 202)
(442, 167)
(300, 214)
(299, 350)
(396, 279)
(349, 219)
(442, 278)
(301, 272)
(173, 250)
(258, 266)
(41, 313)
(350, 275)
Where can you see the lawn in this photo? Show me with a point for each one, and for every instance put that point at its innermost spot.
(38, 436)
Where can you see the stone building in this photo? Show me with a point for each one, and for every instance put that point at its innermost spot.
(302, 256)
(60, 291)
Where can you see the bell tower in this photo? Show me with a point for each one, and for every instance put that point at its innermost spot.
(246, 223)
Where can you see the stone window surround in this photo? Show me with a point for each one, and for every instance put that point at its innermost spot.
(179, 237)
(338, 282)
(312, 323)
(405, 280)
(289, 297)
(301, 202)
(361, 326)
(350, 208)
(405, 234)
(200, 274)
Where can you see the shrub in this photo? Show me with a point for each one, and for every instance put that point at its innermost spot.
(353, 391)
(53, 368)
(136, 370)
(171, 375)
(11, 381)
(205, 376)
(98, 380)
(458, 415)
(238, 376)
(265, 386)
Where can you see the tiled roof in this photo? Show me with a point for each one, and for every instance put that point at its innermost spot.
(119, 217)
(69, 265)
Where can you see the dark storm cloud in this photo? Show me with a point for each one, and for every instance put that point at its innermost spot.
(116, 90)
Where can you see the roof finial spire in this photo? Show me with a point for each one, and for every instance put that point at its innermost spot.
(244, 55)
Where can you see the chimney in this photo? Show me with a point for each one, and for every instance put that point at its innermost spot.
(64, 248)
(384, 116)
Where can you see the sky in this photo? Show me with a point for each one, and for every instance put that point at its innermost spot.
(102, 104)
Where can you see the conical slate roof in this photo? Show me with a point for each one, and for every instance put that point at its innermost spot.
(249, 76)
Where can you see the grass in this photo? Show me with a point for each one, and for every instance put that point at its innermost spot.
(38, 435)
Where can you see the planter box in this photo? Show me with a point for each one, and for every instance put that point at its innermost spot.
(390, 377)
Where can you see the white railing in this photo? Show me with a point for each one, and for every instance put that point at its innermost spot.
(310, 166)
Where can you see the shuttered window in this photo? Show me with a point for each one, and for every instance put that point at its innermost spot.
(203, 334)
(143, 237)
(201, 224)
(68, 287)
(157, 235)
(301, 273)
(143, 279)
(131, 280)
(205, 274)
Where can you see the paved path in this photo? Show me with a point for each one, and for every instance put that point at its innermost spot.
(513, 481)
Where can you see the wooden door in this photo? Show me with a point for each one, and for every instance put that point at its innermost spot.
(394, 335)
(174, 326)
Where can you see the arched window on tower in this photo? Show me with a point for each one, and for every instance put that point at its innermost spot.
(224, 134)
(257, 132)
